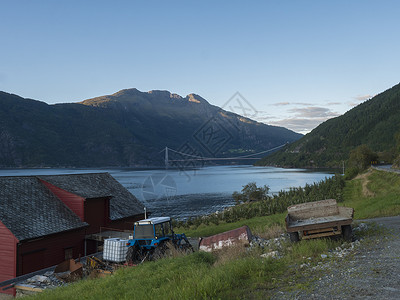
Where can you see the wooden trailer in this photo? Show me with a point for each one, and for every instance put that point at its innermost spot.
(319, 219)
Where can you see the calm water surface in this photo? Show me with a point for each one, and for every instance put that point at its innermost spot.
(181, 194)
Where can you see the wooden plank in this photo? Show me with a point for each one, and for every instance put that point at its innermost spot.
(346, 212)
(29, 288)
(294, 228)
(307, 237)
(333, 229)
(315, 209)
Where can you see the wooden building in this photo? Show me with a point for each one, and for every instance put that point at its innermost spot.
(45, 219)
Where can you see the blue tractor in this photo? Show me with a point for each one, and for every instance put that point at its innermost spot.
(152, 238)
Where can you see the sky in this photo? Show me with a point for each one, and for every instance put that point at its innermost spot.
(286, 63)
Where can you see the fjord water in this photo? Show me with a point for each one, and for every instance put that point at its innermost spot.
(190, 192)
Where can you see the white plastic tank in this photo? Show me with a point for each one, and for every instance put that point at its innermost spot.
(115, 250)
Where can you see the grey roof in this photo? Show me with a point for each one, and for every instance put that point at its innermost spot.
(29, 210)
(97, 185)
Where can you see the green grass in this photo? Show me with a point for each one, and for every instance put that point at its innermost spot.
(192, 277)
(200, 276)
(383, 202)
(257, 224)
(311, 248)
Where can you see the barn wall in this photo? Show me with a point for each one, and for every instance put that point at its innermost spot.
(74, 202)
(49, 251)
(96, 214)
(8, 248)
(126, 223)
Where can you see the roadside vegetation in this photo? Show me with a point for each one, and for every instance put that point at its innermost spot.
(373, 194)
(360, 160)
(254, 204)
(239, 272)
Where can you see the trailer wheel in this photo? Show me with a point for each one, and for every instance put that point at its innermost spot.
(347, 232)
(294, 237)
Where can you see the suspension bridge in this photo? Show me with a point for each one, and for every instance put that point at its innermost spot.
(191, 157)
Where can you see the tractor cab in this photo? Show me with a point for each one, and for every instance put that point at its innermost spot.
(153, 228)
(151, 237)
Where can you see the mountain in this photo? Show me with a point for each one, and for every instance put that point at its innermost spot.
(373, 123)
(128, 128)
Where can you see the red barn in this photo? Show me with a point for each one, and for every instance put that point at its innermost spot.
(45, 219)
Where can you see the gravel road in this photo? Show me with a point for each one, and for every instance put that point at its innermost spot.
(371, 271)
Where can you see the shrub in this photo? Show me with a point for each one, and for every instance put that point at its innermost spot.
(351, 173)
(330, 188)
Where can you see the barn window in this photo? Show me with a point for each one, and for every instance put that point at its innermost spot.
(68, 253)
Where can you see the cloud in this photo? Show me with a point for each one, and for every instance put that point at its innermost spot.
(281, 103)
(360, 98)
(302, 103)
(363, 97)
(352, 104)
(333, 103)
(301, 125)
(304, 120)
(291, 103)
(263, 116)
(313, 112)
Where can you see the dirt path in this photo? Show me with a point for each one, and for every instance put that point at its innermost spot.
(364, 180)
(372, 272)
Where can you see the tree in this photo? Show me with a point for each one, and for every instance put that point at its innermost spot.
(251, 192)
(362, 157)
(397, 140)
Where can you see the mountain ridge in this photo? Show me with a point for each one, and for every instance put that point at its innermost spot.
(127, 128)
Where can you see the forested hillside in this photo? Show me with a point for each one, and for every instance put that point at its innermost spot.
(373, 123)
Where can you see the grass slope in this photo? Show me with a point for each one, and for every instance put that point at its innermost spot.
(373, 194)
(244, 274)
(257, 225)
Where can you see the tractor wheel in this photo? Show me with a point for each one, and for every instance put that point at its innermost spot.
(131, 255)
(134, 254)
(347, 232)
(294, 237)
(159, 252)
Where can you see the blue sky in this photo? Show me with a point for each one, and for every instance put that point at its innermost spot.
(297, 63)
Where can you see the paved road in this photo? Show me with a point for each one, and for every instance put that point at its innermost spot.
(386, 168)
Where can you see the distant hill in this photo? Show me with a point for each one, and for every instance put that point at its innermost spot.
(128, 128)
(373, 123)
